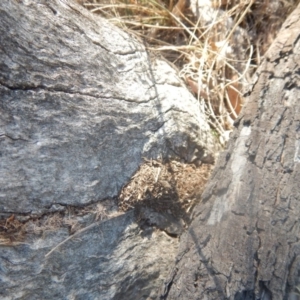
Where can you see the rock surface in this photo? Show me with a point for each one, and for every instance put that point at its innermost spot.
(81, 103)
(111, 259)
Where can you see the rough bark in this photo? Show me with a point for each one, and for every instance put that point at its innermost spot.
(243, 242)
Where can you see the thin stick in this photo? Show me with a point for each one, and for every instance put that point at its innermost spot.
(76, 234)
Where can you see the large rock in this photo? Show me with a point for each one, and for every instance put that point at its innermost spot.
(81, 103)
(110, 259)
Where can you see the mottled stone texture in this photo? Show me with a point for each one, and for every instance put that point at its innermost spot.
(112, 259)
(81, 103)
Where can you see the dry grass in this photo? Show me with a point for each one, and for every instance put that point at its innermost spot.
(216, 48)
(14, 229)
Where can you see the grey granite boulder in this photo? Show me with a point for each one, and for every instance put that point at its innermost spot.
(111, 259)
(81, 104)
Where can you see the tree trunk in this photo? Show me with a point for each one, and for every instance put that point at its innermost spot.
(243, 242)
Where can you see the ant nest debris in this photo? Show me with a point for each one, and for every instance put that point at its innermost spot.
(172, 187)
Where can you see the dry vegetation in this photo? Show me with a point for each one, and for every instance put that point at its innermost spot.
(172, 187)
(216, 44)
(15, 228)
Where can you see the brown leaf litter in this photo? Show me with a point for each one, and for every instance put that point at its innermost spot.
(15, 228)
(172, 187)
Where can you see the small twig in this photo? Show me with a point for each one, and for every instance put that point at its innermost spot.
(75, 234)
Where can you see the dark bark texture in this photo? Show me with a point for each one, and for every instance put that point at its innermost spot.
(243, 242)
